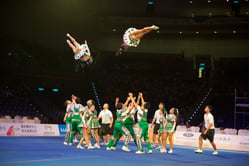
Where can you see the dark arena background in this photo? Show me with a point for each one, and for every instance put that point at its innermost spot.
(199, 56)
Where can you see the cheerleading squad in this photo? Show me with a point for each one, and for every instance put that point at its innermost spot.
(83, 120)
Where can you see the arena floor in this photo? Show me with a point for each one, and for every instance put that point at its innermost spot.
(39, 151)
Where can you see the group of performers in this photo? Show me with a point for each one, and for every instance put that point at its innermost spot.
(84, 120)
(131, 38)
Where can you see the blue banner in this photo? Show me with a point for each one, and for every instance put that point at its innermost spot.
(62, 129)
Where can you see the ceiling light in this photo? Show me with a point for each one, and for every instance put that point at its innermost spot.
(234, 31)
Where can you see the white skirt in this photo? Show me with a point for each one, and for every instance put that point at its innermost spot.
(83, 52)
(127, 40)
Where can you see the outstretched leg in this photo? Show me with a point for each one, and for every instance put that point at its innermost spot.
(71, 45)
(138, 34)
(76, 44)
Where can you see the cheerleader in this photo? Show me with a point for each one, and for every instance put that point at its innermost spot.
(81, 52)
(143, 125)
(85, 129)
(132, 36)
(94, 125)
(119, 128)
(162, 130)
(76, 119)
(170, 127)
(67, 120)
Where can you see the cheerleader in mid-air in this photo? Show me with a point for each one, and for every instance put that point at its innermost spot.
(132, 36)
(81, 52)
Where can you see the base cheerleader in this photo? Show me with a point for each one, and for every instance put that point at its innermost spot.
(132, 37)
(119, 128)
(143, 125)
(81, 52)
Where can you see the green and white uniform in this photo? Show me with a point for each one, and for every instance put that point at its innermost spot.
(76, 120)
(143, 129)
(171, 123)
(163, 122)
(119, 130)
(69, 112)
(127, 40)
(128, 121)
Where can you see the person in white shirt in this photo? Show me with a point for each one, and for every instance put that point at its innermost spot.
(208, 131)
(107, 120)
(156, 121)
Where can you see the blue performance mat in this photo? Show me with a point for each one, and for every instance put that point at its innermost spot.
(39, 151)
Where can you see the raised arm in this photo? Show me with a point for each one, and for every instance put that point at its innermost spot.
(126, 103)
(133, 99)
(142, 100)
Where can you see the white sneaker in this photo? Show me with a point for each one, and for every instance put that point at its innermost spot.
(75, 141)
(97, 146)
(163, 150)
(65, 143)
(170, 151)
(150, 151)
(157, 147)
(215, 152)
(108, 148)
(198, 151)
(113, 148)
(80, 147)
(154, 27)
(90, 147)
(70, 144)
(139, 152)
(124, 148)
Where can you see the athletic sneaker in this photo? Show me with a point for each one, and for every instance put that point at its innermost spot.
(139, 152)
(80, 147)
(113, 148)
(215, 152)
(75, 140)
(70, 144)
(170, 151)
(65, 143)
(198, 151)
(154, 27)
(108, 148)
(90, 147)
(97, 146)
(163, 150)
(150, 151)
(124, 148)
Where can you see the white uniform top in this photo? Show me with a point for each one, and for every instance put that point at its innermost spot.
(70, 108)
(140, 113)
(208, 119)
(157, 116)
(105, 115)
